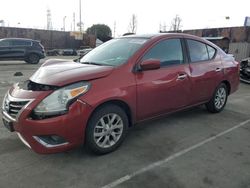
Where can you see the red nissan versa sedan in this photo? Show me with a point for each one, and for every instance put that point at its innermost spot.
(116, 85)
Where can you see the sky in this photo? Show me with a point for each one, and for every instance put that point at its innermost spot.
(117, 14)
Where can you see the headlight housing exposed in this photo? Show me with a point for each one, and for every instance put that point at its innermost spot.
(57, 103)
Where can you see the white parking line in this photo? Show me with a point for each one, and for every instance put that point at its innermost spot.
(172, 157)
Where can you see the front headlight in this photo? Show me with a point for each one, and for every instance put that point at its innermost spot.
(57, 102)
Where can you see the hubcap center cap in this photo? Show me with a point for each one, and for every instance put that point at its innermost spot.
(107, 129)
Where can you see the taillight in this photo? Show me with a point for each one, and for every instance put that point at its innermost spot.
(238, 65)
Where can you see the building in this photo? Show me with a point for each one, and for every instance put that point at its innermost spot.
(49, 38)
(234, 40)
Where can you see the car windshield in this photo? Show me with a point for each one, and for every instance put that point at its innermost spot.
(114, 52)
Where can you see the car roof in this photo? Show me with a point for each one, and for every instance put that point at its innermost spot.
(159, 36)
(163, 35)
(149, 36)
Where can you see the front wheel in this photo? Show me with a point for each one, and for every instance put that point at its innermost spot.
(106, 129)
(219, 99)
(33, 59)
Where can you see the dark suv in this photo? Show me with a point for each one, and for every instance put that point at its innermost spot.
(28, 50)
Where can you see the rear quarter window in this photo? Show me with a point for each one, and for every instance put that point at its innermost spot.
(197, 51)
(211, 52)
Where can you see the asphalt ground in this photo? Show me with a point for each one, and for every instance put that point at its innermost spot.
(188, 149)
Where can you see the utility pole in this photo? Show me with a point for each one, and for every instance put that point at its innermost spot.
(114, 29)
(80, 13)
(64, 23)
(49, 22)
(74, 21)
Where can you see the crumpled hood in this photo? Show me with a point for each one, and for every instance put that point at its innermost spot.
(61, 72)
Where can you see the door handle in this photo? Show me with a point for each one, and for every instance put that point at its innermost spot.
(181, 76)
(218, 69)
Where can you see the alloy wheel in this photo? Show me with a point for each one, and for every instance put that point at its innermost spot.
(220, 98)
(108, 130)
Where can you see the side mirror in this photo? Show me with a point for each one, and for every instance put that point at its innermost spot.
(150, 64)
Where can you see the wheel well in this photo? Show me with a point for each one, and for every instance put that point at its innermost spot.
(122, 105)
(33, 53)
(228, 86)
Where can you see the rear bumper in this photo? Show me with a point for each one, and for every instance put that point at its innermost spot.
(70, 127)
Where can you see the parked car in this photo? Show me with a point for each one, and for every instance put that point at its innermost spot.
(83, 52)
(53, 52)
(245, 70)
(69, 52)
(118, 84)
(28, 50)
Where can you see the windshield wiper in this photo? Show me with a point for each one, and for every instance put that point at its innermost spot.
(91, 63)
(94, 63)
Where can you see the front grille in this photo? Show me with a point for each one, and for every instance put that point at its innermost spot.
(15, 107)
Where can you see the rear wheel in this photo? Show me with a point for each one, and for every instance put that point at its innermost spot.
(33, 59)
(219, 99)
(106, 129)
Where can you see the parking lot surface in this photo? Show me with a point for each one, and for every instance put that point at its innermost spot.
(188, 149)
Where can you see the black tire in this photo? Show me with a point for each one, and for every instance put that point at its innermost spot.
(33, 59)
(94, 128)
(217, 103)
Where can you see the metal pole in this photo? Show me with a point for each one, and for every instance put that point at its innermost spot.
(114, 29)
(74, 21)
(64, 23)
(80, 13)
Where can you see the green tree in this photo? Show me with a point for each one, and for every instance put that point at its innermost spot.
(101, 31)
